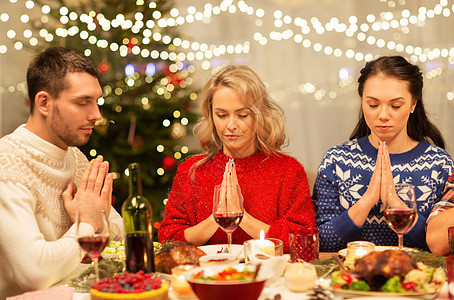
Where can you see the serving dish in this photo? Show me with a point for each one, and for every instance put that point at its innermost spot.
(219, 259)
(343, 252)
(231, 289)
(380, 295)
(237, 250)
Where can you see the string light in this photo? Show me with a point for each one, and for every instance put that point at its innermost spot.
(286, 27)
(334, 25)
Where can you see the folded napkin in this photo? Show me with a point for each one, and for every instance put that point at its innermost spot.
(54, 293)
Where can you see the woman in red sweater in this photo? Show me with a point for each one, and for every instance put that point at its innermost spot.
(239, 121)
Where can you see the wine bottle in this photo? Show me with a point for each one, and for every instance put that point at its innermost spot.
(138, 222)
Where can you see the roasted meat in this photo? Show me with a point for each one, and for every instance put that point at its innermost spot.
(176, 253)
(377, 267)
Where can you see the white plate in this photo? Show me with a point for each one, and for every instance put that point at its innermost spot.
(382, 295)
(343, 252)
(381, 298)
(215, 249)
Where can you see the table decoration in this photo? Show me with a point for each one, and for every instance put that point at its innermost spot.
(320, 293)
(266, 246)
(262, 248)
(180, 286)
(107, 268)
(300, 277)
(355, 250)
(304, 244)
(271, 258)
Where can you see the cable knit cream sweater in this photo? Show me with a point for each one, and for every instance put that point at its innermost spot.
(37, 237)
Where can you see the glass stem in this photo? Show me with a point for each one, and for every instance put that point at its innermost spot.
(229, 245)
(401, 240)
(95, 260)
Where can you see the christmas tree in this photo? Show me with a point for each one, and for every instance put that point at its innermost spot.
(147, 99)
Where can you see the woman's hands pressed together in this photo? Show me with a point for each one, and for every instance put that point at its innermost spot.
(381, 187)
(203, 231)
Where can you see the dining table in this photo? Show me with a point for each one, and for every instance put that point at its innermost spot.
(276, 290)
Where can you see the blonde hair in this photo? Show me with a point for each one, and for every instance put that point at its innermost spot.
(270, 134)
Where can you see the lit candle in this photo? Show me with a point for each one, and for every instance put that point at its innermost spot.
(360, 252)
(180, 285)
(178, 281)
(264, 245)
(357, 250)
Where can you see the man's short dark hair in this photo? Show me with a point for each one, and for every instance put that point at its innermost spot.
(48, 70)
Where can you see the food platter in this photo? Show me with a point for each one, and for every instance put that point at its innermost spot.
(215, 249)
(380, 295)
(381, 298)
(419, 284)
(343, 252)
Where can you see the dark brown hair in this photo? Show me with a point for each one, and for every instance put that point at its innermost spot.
(47, 71)
(419, 127)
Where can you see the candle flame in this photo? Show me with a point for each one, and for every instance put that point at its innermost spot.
(262, 235)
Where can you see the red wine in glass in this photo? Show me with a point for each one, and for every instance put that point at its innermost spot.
(400, 220)
(93, 245)
(228, 221)
(401, 209)
(228, 209)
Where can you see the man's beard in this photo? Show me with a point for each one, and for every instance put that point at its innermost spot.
(64, 132)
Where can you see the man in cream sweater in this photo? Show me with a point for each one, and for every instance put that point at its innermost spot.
(45, 179)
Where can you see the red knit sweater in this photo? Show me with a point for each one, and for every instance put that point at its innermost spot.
(275, 191)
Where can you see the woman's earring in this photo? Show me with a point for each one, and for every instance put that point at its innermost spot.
(412, 111)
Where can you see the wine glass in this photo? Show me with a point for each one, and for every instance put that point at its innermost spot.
(400, 212)
(228, 209)
(93, 244)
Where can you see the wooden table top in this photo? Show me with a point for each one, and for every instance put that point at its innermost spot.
(326, 255)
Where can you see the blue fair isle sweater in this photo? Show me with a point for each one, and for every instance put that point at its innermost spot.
(344, 176)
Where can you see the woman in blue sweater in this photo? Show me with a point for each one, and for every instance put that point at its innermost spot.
(394, 141)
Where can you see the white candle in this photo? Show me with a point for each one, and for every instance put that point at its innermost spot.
(360, 252)
(355, 250)
(264, 245)
(300, 277)
(178, 281)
